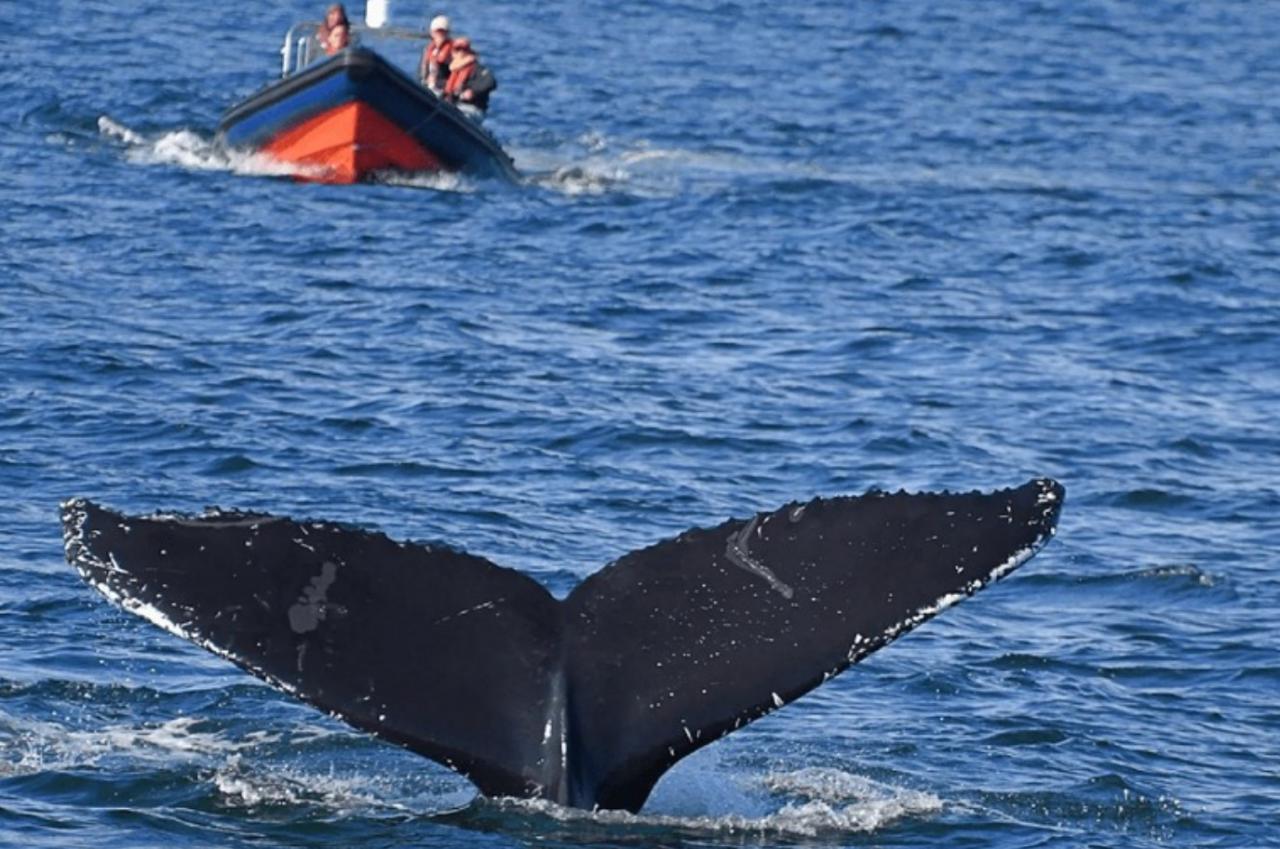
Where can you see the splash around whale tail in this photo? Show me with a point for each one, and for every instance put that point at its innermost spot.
(585, 701)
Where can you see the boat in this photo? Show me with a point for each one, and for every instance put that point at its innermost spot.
(353, 116)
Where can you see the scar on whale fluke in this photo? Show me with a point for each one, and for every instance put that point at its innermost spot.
(585, 701)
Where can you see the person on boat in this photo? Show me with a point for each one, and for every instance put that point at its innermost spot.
(470, 82)
(433, 70)
(335, 33)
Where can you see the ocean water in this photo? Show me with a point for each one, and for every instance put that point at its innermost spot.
(761, 252)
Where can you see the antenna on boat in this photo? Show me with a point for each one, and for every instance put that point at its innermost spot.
(376, 13)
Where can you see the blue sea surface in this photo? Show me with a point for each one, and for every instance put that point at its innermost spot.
(761, 252)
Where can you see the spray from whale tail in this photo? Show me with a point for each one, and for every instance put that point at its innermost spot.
(584, 701)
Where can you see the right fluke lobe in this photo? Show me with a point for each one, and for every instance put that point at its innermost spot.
(585, 701)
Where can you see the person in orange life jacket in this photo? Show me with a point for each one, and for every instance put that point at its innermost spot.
(433, 70)
(335, 33)
(469, 81)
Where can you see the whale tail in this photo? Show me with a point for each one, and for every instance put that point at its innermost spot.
(585, 701)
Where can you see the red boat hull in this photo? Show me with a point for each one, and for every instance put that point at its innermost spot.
(347, 143)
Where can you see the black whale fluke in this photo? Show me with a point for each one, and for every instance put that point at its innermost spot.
(585, 701)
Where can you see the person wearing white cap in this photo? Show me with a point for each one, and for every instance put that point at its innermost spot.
(433, 70)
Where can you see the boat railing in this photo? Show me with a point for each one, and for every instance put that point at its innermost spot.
(301, 47)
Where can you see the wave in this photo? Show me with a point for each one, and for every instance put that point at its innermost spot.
(1101, 804)
(1173, 575)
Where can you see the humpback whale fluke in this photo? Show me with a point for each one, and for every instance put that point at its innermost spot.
(585, 701)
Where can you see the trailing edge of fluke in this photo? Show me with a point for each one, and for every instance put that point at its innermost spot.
(584, 701)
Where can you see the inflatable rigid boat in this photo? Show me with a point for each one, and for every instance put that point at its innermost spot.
(352, 115)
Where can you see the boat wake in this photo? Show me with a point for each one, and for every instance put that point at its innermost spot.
(195, 152)
(588, 166)
(190, 150)
(594, 164)
(574, 180)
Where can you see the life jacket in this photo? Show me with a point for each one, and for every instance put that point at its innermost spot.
(458, 76)
(336, 39)
(439, 55)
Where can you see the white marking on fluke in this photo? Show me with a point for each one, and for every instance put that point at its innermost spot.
(484, 605)
(308, 611)
(739, 554)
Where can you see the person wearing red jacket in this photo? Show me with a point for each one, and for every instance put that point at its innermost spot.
(470, 82)
(335, 33)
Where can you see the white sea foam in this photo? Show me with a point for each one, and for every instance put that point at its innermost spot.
(114, 130)
(38, 746)
(814, 802)
(592, 165)
(29, 747)
(246, 786)
(590, 177)
(439, 181)
(196, 152)
(807, 802)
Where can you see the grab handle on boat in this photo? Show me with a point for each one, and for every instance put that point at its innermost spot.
(295, 54)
